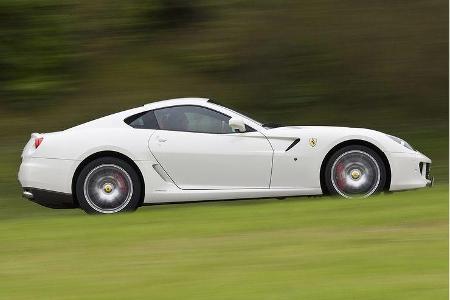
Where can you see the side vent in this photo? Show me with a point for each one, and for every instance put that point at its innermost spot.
(162, 173)
(295, 142)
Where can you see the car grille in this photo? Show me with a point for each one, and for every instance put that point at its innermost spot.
(427, 171)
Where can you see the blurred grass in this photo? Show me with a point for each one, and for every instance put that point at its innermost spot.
(388, 247)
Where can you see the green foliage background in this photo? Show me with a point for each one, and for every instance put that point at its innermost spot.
(376, 64)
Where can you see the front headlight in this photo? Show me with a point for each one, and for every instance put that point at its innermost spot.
(400, 141)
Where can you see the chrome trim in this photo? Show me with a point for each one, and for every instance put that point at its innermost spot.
(430, 182)
(27, 194)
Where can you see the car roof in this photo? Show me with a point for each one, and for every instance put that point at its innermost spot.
(176, 101)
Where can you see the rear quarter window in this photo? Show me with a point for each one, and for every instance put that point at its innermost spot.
(143, 120)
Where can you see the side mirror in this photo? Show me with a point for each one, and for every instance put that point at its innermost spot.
(237, 125)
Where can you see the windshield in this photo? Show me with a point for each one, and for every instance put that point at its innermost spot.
(236, 112)
(272, 125)
(268, 125)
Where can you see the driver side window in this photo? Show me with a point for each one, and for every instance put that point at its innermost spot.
(192, 119)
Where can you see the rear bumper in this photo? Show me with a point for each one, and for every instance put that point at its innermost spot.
(47, 174)
(50, 199)
(47, 182)
(409, 171)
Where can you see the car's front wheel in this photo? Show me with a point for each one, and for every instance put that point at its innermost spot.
(355, 171)
(108, 185)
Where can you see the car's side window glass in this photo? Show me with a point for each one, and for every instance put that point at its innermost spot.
(192, 118)
(144, 120)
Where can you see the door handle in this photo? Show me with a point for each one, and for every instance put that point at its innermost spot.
(161, 140)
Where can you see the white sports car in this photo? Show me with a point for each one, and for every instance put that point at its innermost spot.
(192, 149)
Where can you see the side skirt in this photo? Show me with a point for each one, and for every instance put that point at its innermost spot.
(204, 195)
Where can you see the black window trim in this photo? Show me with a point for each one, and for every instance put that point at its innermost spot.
(132, 118)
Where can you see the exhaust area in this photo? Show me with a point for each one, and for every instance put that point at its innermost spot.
(28, 195)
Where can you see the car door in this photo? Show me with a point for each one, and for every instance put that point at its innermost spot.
(198, 149)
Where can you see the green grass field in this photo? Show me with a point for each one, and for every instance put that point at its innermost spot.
(391, 246)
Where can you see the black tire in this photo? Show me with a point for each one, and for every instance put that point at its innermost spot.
(102, 179)
(344, 181)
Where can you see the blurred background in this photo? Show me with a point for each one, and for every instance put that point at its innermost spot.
(376, 64)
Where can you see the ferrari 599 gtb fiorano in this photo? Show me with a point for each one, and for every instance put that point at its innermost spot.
(192, 149)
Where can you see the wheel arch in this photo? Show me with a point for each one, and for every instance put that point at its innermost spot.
(350, 143)
(100, 154)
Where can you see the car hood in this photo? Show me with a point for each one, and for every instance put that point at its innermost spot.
(322, 130)
(329, 135)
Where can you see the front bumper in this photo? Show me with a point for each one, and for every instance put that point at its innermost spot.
(409, 170)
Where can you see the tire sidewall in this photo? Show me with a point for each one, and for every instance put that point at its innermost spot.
(328, 182)
(136, 182)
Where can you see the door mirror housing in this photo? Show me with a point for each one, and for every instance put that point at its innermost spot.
(237, 125)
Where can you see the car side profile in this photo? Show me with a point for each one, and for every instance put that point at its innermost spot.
(192, 149)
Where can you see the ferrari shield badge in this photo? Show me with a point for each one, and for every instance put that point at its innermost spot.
(312, 142)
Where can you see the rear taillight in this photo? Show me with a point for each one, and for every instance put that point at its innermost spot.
(38, 141)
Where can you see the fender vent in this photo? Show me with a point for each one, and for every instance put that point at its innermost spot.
(295, 142)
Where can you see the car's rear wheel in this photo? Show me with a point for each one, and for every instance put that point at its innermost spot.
(355, 171)
(108, 185)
